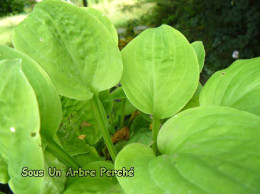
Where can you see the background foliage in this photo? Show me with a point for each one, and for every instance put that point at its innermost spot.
(224, 26)
(10, 7)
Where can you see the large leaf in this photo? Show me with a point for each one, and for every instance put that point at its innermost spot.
(200, 52)
(238, 86)
(105, 21)
(74, 47)
(161, 71)
(20, 141)
(47, 96)
(95, 185)
(204, 150)
(3, 171)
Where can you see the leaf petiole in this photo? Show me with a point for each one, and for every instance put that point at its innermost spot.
(155, 131)
(61, 154)
(100, 115)
(122, 117)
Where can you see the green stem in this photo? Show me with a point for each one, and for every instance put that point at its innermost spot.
(122, 117)
(101, 118)
(155, 131)
(60, 153)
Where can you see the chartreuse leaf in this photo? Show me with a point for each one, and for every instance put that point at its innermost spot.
(140, 122)
(203, 150)
(194, 101)
(79, 127)
(161, 71)
(238, 86)
(143, 136)
(3, 171)
(74, 47)
(200, 52)
(53, 185)
(104, 20)
(20, 141)
(97, 184)
(86, 158)
(47, 96)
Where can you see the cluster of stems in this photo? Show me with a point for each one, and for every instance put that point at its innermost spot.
(101, 120)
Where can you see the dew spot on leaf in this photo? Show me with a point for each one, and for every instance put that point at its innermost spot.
(12, 129)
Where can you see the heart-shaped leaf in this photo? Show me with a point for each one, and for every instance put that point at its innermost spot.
(161, 71)
(73, 45)
(204, 150)
(47, 95)
(238, 86)
(20, 141)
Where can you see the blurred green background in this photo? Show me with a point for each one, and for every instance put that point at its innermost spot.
(229, 29)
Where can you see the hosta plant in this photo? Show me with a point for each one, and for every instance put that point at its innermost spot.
(70, 100)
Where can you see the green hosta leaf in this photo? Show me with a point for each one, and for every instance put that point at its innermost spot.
(104, 20)
(73, 45)
(142, 136)
(47, 96)
(86, 158)
(194, 101)
(97, 184)
(200, 51)
(4, 177)
(20, 141)
(138, 123)
(238, 86)
(118, 93)
(79, 127)
(204, 150)
(53, 185)
(161, 71)
(129, 108)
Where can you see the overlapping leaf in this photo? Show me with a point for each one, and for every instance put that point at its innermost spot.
(200, 52)
(204, 150)
(47, 96)
(194, 101)
(73, 45)
(4, 177)
(20, 141)
(79, 127)
(161, 71)
(238, 86)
